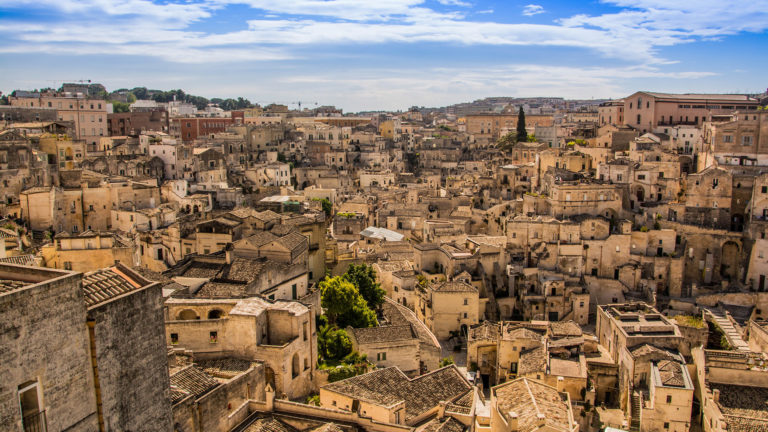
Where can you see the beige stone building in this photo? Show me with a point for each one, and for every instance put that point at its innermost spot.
(110, 369)
(88, 251)
(88, 115)
(400, 340)
(450, 306)
(740, 138)
(732, 389)
(647, 110)
(496, 125)
(210, 394)
(282, 335)
(525, 405)
(389, 396)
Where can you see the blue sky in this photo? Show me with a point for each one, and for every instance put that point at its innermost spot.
(387, 54)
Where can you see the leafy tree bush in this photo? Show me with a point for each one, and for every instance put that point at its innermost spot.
(446, 361)
(363, 277)
(343, 304)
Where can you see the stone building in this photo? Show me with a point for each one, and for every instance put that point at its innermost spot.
(124, 320)
(732, 390)
(525, 405)
(647, 110)
(399, 340)
(210, 394)
(48, 382)
(94, 360)
(389, 396)
(88, 251)
(450, 306)
(282, 335)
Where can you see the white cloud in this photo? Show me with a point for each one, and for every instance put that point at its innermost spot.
(169, 32)
(632, 33)
(454, 3)
(392, 89)
(533, 9)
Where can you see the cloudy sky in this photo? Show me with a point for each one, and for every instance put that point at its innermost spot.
(387, 54)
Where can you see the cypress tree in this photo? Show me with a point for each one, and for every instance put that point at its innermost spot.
(522, 134)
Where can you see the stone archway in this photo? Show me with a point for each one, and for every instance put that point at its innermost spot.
(188, 315)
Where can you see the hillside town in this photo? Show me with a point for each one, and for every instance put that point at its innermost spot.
(503, 265)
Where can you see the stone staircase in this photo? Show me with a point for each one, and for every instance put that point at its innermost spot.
(731, 333)
(634, 423)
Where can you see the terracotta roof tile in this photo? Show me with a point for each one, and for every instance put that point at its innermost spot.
(192, 380)
(533, 403)
(390, 386)
(103, 285)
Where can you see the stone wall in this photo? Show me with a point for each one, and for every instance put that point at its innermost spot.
(43, 338)
(132, 362)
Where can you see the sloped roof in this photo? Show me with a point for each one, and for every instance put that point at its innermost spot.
(534, 360)
(269, 424)
(103, 285)
(671, 374)
(386, 387)
(454, 286)
(533, 403)
(383, 334)
(191, 381)
(445, 424)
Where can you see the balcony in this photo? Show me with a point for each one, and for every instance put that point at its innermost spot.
(35, 422)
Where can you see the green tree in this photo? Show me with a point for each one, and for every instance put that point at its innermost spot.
(522, 134)
(363, 277)
(446, 361)
(327, 206)
(344, 305)
(120, 107)
(506, 141)
(334, 344)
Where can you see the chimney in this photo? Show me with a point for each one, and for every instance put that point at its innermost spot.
(513, 421)
(560, 384)
(541, 419)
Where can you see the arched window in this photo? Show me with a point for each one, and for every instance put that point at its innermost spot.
(188, 315)
(215, 313)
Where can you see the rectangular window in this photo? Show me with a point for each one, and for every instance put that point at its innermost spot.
(174, 338)
(727, 138)
(32, 409)
(214, 337)
(669, 399)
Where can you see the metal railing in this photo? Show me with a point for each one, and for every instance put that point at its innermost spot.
(35, 422)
